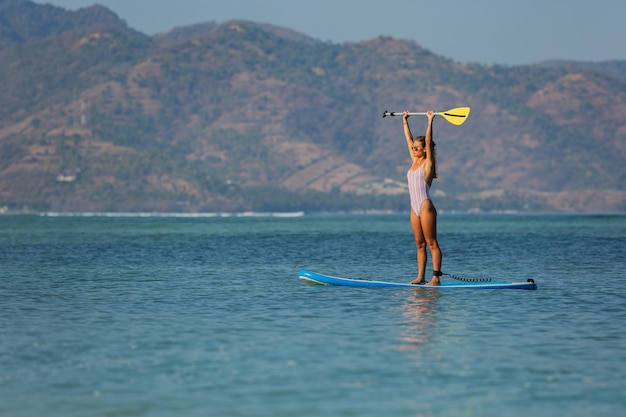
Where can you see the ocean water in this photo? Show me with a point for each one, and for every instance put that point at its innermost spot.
(205, 316)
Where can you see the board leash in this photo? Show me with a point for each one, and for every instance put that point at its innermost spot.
(458, 278)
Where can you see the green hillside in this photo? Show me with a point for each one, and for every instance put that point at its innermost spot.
(242, 116)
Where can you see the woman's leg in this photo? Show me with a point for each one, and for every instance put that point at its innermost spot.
(422, 256)
(428, 217)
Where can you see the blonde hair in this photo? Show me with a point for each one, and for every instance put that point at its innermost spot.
(422, 140)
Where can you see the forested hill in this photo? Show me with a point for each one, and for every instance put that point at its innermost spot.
(242, 116)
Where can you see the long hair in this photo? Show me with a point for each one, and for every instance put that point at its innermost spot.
(422, 140)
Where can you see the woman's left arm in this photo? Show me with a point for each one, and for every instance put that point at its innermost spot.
(430, 149)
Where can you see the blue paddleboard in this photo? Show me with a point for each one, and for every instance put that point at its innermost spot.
(315, 278)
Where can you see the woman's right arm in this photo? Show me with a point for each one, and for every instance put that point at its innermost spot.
(407, 131)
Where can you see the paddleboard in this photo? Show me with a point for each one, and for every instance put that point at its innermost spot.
(315, 278)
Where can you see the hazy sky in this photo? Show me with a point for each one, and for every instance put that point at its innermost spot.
(508, 32)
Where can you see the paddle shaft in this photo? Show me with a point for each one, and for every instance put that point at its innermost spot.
(399, 113)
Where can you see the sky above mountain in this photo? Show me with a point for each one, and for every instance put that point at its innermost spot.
(490, 32)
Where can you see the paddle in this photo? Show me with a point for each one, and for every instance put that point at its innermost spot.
(456, 116)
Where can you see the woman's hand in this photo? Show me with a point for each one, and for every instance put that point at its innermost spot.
(405, 115)
(430, 115)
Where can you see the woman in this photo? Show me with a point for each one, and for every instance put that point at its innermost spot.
(423, 214)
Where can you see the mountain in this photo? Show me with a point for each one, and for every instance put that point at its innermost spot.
(241, 116)
(22, 20)
(615, 69)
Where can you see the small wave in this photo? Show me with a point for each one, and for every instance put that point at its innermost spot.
(177, 215)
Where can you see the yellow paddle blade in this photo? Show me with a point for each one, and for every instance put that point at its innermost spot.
(456, 116)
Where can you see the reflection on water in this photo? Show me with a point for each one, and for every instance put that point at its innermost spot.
(418, 310)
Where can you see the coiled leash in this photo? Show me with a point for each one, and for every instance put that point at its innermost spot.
(458, 278)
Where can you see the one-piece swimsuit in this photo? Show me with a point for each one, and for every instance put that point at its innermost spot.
(419, 190)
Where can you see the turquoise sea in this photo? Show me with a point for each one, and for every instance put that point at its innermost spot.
(205, 316)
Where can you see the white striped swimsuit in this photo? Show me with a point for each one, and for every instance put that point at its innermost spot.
(418, 189)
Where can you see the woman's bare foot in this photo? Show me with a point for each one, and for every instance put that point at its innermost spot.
(418, 281)
(434, 282)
